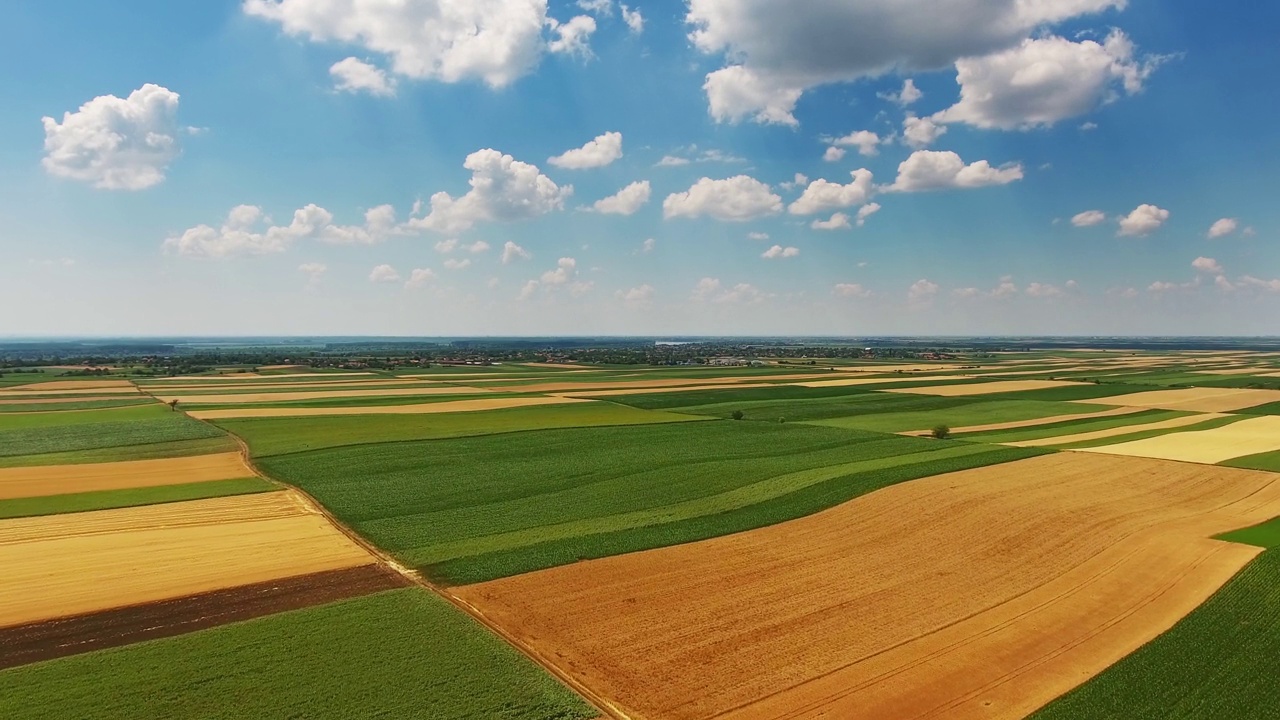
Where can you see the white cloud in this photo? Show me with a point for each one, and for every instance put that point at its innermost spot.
(706, 288)
(647, 246)
(640, 296)
(921, 132)
(672, 161)
(833, 154)
(800, 180)
(527, 290)
(596, 153)
(734, 199)
(742, 293)
(114, 143)
(566, 270)
(573, 36)
(867, 142)
(851, 290)
(781, 49)
(823, 195)
(456, 264)
(838, 221)
(420, 277)
(938, 170)
(477, 247)
(966, 293)
(496, 41)
(384, 274)
(240, 233)
(512, 252)
(757, 236)
(1005, 289)
(444, 247)
(1207, 265)
(502, 188)
(1144, 220)
(1045, 80)
(907, 95)
(1089, 218)
(1043, 290)
(626, 201)
(777, 252)
(1272, 286)
(599, 7)
(1223, 227)
(355, 75)
(313, 270)
(633, 19)
(922, 291)
(867, 211)
(1160, 286)
(1087, 126)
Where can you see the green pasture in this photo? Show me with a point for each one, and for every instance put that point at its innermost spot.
(108, 499)
(397, 654)
(31, 420)
(71, 404)
(1262, 461)
(143, 429)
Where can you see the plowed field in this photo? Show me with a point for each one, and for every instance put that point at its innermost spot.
(978, 594)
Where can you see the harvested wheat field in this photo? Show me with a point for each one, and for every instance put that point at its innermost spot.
(60, 565)
(37, 481)
(1246, 437)
(1195, 399)
(989, 388)
(977, 594)
(323, 394)
(1121, 430)
(448, 406)
(1015, 424)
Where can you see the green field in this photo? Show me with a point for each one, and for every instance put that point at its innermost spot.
(71, 404)
(31, 420)
(368, 401)
(538, 499)
(107, 499)
(1218, 662)
(119, 434)
(397, 654)
(1072, 427)
(277, 436)
(1262, 461)
(925, 412)
(146, 451)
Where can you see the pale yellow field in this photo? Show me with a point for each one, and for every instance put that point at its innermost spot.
(1015, 424)
(233, 398)
(1246, 437)
(1122, 430)
(73, 394)
(300, 386)
(60, 565)
(990, 388)
(848, 381)
(37, 481)
(663, 390)
(448, 406)
(1194, 399)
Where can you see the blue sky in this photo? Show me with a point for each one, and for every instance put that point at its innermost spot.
(1072, 167)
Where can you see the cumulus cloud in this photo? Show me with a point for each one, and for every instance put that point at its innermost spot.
(527, 290)
(867, 211)
(456, 264)
(512, 252)
(640, 296)
(1045, 80)
(633, 19)
(502, 189)
(1207, 265)
(907, 95)
(626, 201)
(354, 75)
(420, 277)
(115, 143)
(837, 221)
(851, 290)
(477, 247)
(647, 246)
(922, 291)
(1271, 286)
(1144, 220)
(921, 132)
(712, 290)
(734, 199)
(823, 195)
(242, 233)
(779, 50)
(867, 142)
(940, 170)
(496, 41)
(757, 236)
(1043, 290)
(833, 154)
(1089, 218)
(1223, 228)
(566, 270)
(384, 274)
(672, 161)
(313, 270)
(572, 37)
(777, 252)
(596, 153)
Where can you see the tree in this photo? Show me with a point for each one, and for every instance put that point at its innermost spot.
(737, 414)
(941, 432)
(173, 404)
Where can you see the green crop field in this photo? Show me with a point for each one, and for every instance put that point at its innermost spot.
(1071, 427)
(146, 451)
(1218, 662)
(276, 436)
(396, 654)
(70, 404)
(119, 433)
(537, 499)
(675, 400)
(369, 401)
(925, 412)
(107, 499)
(31, 420)
(1262, 461)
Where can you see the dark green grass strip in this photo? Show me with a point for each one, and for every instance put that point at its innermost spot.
(658, 400)
(91, 436)
(147, 451)
(804, 502)
(1072, 427)
(352, 402)
(107, 499)
(279, 436)
(1266, 409)
(397, 654)
(1262, 461)
(127, 401)
(1263, 535)
(1143, 435)
(1218, 662)
(30, 420)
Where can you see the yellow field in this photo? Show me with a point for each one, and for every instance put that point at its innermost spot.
(1195, 399)
(991, 388)
(43, 480)
(1122, 430)
(1246, 437)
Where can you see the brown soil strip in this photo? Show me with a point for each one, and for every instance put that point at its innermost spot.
(35, 642)
(1008, 586)
(38, 481)
(448, 406)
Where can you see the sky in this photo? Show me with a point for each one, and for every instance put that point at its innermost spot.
(657, 167)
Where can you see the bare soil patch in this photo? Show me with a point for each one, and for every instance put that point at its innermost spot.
(20, 482)
(977, 594)
(448, 406)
